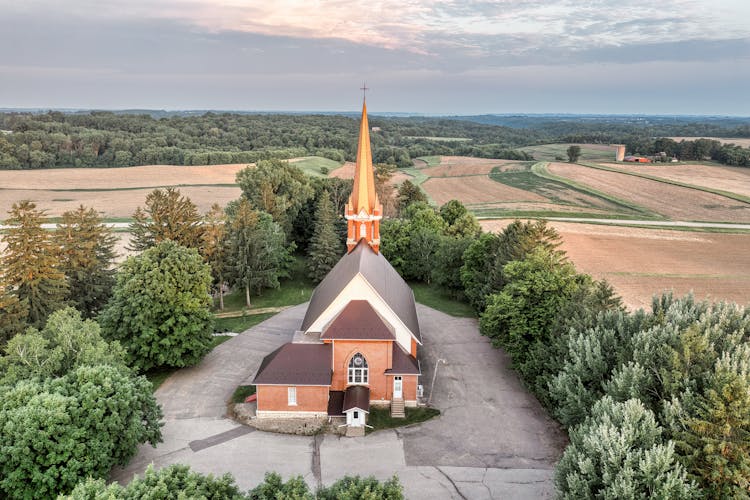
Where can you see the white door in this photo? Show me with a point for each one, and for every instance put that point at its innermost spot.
(397, 387)
(355, 418)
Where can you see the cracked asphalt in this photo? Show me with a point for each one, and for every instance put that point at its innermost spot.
(492, 439)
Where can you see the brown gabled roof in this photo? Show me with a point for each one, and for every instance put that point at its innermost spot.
(379, 273)
(296, 364)
(358, 321)
(357, 396)
(403, 363)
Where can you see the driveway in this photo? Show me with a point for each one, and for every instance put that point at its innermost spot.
(492, 440)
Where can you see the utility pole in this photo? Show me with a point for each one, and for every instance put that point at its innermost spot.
(434, 376)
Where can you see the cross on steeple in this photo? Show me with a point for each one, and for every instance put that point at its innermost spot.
(364, 88)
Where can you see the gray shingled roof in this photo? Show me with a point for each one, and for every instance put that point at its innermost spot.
(379, 273)
(296, 364)
(403, 363)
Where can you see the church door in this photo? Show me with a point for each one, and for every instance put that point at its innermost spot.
(397, 387)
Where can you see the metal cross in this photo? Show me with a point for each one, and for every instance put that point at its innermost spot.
(364, 90)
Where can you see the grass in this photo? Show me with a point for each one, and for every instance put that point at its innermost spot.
(380, 418)
(242, 392)
(316, 166)
(157, 376)
(240, 323)
(549, 152)
(431, 161)
(294, 290)
(437, 298)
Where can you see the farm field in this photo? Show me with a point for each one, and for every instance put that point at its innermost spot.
(673, 202)
(346, 171)
(589, 152)
(641, 262)
(739, 141)
(475, 190)
(732, 179)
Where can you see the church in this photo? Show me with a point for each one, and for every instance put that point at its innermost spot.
(357, 345)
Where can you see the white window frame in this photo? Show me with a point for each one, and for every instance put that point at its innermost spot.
(358, 372)
(291, 396)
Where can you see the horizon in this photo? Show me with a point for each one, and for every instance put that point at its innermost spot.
(439, 58)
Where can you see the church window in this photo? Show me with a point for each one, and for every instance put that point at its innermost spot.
(291, 393)
(358, 371)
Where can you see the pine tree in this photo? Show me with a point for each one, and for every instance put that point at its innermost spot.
(214, 247)
(257, 253)
(30, 264)
(325, 248)
(13, 314)
(86, 257)
(168, 216)
(408, 193)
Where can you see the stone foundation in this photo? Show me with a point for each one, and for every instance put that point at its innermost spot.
(245, 413)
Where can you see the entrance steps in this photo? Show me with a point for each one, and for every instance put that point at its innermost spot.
(397, 408)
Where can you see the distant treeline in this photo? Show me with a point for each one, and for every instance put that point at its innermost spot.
(108, 139)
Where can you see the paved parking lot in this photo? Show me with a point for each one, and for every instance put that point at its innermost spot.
(492, 440)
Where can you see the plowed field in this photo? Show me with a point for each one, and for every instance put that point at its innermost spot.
(456, 166)
(476, 189)
(642, 262)
(732, 179)
(673, 202)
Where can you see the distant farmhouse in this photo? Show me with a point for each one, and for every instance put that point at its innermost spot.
(357, 345)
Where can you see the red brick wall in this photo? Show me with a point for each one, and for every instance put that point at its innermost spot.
(408, 387)
(275, 398)
(378, 355)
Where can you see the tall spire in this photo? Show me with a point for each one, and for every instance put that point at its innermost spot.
(364, 211)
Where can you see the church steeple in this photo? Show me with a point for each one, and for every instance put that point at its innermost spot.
(364, 211)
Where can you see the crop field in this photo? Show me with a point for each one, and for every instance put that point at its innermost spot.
(457, 166)
(115, 192)
(739, 141)
(346, 171)
(589, 152)
(474, 189)
(316, 166)
(670, 201)
(641, 262)
(732, 179)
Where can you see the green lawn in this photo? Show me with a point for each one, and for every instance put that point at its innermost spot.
(294, 290)
(240, 323)
(380, 418)
(316, 166)
(550, 152)
(157, 376)
(437, 298)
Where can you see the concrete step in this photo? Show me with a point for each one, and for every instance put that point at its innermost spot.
(397, 408)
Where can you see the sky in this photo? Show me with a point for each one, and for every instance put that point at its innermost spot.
(434, 57)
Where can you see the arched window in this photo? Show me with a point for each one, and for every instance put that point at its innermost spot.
(358, 371)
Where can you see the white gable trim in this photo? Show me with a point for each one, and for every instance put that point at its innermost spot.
(360, 289)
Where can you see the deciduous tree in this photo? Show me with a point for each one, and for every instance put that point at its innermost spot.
(574, 152)
(278, 188)
(160, 307)
(215, 248)
(409, 193)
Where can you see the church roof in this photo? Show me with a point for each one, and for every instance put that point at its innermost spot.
(379, 274)
(296, 364)
(357, 396)
(358, 321)
(403, 363)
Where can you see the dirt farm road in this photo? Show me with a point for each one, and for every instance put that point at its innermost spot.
(492, 440)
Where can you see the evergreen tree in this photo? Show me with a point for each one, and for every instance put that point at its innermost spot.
(214, 248)
(325, 246)
(408, 193)
(258, 255)
(30, 265)
(13, 314)
(86, 257)
(168, 216)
